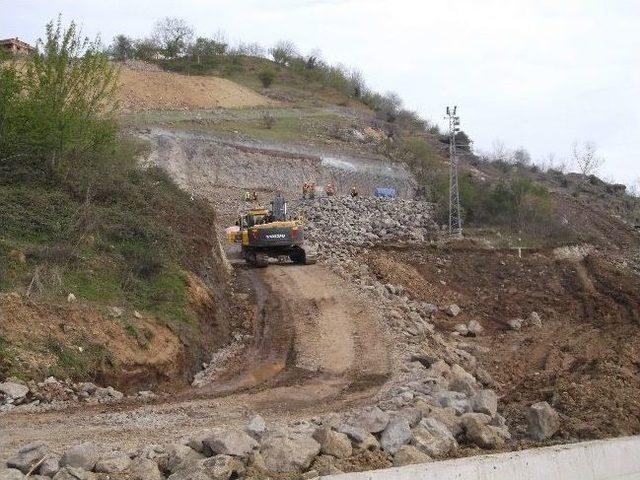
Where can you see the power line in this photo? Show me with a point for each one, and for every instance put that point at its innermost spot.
(455, 220)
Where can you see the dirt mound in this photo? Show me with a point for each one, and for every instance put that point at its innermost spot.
(152, 90)
(583, 359)
(118, 347)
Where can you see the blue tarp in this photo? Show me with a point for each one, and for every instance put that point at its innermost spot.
(385, 192)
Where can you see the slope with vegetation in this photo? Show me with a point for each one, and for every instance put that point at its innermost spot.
(80, 222)
(504, 194)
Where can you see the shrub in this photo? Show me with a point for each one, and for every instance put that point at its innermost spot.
(283, 52)
(268, 120)
(266, 77)
(55, 110)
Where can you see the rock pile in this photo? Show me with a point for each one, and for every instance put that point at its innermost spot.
(320, 446)
(366, 221)
(52, 390)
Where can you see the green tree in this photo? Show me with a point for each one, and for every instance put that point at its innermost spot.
(146, 49)
(267, 77)
(56, 109)
(174, 36)
(121, 48)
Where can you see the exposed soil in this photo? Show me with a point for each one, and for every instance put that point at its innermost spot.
(317, 348)
(150, 90)
(584, 359)
(145, 354)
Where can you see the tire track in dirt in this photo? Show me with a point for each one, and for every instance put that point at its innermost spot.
(320, 349)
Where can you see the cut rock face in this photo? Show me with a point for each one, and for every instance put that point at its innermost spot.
(542, 420)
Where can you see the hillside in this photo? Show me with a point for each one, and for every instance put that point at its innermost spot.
(402, 345)
(151, 89)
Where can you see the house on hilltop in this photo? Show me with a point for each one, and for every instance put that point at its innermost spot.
(16, 46)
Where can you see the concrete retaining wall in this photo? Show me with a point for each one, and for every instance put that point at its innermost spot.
(615, 459)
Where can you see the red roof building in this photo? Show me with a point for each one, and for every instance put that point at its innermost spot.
(16, 47)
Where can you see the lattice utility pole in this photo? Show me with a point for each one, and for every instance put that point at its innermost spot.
(455, 220)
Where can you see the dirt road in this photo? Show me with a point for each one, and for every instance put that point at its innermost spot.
(317, 348)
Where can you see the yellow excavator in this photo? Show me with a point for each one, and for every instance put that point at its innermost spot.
(269, 233)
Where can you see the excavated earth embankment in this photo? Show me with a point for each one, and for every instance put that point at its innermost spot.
(396, 348)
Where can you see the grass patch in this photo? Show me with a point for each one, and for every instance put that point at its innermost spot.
(7, 359)
(76, 363)
(124, 246)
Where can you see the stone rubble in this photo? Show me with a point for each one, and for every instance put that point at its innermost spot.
(542, 420)
(51, 391)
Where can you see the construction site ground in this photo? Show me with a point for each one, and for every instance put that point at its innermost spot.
(585, 358)
(318, 346)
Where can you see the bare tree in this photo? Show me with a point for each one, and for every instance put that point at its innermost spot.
(522, 157)
(587, 158)
(634, 188)
(283, 51)
(173, 35)
(500, 152)
(357, 84)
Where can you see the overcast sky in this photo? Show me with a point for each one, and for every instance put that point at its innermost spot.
(534, 73)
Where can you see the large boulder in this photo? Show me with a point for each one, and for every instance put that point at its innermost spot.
(462, 381)
(475, 328)
(408, 455)
(480, 433)
(542, 421)
(197, 442)
(230, 442)
(361, 439)
(256, 427)
(433, 438)
(456, 400)
(485, 401)
(373, 420)
(223, 467)
(447, 416)
(14, 390)
(11, 474)
(28, 456)
(144, 469)
(412, 415)
(288, 454)
(115, 462)
(178, 454)
(50, 466)
(333, 443)
(397, 433)
(453, 310)
(82, 456)
(72, 473)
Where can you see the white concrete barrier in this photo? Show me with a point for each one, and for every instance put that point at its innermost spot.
(615, 459)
